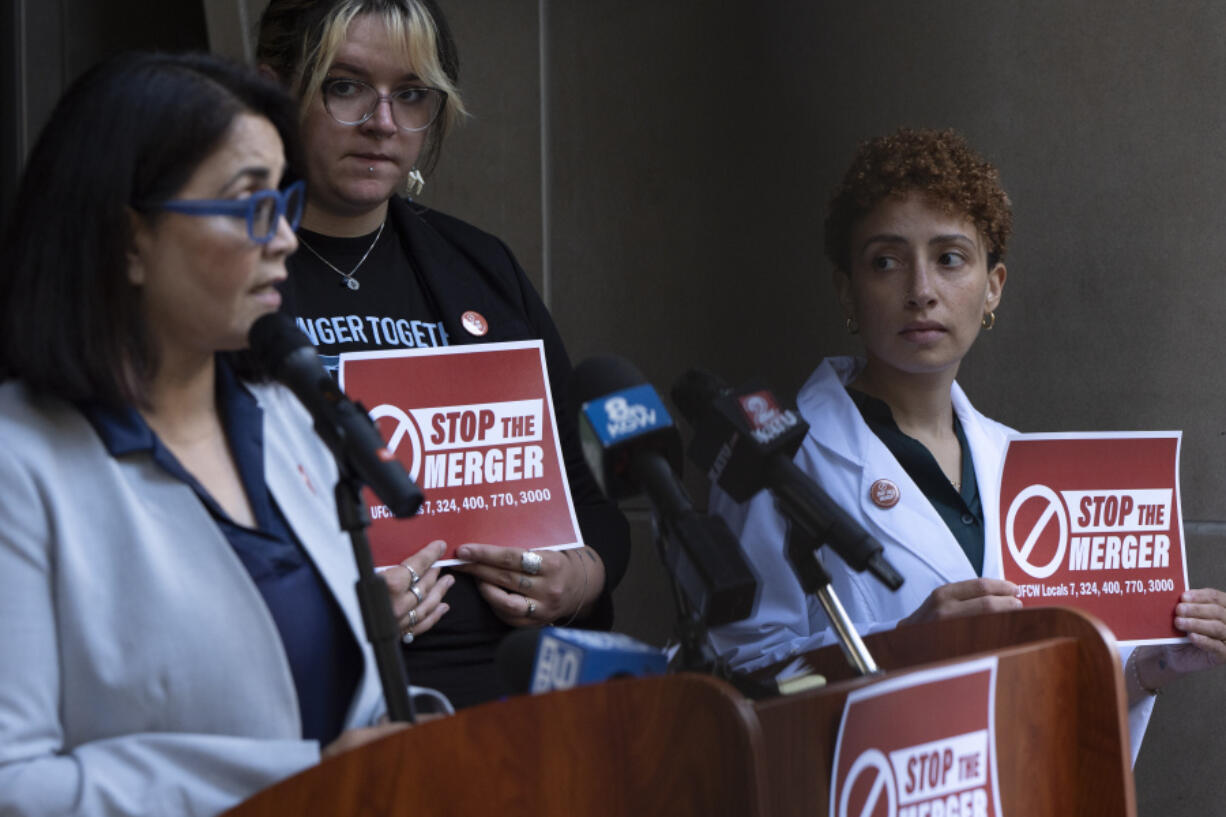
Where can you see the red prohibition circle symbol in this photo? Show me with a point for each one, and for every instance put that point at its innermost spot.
(874, 767)
(1023, 538)
(405, 438)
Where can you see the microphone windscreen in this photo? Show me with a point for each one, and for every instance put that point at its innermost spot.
(599, 376)
(694, 392)
(515, 657)
(556, 658)
(273, 337)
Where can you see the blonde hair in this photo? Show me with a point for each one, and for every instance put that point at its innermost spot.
(299, 40)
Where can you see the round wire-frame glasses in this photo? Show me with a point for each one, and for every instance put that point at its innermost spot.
(352, 102)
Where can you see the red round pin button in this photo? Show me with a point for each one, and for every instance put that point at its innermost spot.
(474, 323)
(884, 494)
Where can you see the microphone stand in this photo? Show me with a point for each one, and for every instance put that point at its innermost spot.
(802, 553)
(694, 652)
(377, 616)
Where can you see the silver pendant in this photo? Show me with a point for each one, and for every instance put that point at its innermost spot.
(352, 283)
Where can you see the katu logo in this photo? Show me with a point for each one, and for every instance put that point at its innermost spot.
(760, 408)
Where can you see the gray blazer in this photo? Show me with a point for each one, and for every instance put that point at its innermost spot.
(140, 670)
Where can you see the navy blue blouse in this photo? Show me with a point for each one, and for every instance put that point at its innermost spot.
(323, 654)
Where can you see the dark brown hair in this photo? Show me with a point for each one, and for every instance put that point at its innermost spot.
(127, 134)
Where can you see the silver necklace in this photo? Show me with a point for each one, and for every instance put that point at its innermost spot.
(350, 281)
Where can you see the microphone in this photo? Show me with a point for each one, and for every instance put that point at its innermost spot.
(632, 446)
(746, 442)
(286, 353)
(558, 658)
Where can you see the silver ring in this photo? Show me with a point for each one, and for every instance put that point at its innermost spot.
(407, 638)
(531, 607)
(530, 563)
(414, 578)
(412, 619)
(416, 591)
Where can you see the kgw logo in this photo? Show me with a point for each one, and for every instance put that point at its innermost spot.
(625, 418)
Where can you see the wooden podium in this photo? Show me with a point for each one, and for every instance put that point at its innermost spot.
(692, 745)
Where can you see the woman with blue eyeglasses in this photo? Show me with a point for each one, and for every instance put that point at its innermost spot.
(178, 625)
(376, 84)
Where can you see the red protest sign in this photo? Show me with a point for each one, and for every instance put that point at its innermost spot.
(474, 426)
(1093, 521)
(920, 744)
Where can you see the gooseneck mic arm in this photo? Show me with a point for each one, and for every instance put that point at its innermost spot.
(746, 451)
(361, 459)
(633, 447)
(746, 441)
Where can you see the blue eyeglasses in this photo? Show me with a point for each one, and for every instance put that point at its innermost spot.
(263, 209)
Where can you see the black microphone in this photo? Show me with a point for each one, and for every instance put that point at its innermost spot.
(632, 446)
(746, 442)
(284, 351)
(559, 658)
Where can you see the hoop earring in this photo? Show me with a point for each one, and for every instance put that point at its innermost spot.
(415, 183)
(853, 328)
(988, 321)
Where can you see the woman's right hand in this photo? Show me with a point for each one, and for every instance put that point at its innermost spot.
(966, 598)
(417, 590)
(353, 738)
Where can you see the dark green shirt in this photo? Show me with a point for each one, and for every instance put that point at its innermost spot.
(962, 511)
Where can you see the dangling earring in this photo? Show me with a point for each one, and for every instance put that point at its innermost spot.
(989, 320)
(415, 183)
(853, 328)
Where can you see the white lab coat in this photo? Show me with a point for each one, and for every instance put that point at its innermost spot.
(846, 458)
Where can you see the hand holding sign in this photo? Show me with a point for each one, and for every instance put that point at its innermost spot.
(565, 585)
(417, 590)
(1201, 615)
(966, 598)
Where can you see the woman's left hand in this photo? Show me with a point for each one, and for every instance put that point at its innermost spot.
(1201, 614)
(526, 593)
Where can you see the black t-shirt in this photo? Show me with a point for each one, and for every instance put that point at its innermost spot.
(388, 309)
(391, 309)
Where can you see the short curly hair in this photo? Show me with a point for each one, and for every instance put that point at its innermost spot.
(938, 163)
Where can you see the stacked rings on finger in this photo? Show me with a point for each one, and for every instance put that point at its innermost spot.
(530, 563)
(413, 577)
(531, 606)
(416, 591)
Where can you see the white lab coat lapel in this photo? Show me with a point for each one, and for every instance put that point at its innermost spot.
(986, 439)
(913, 526)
